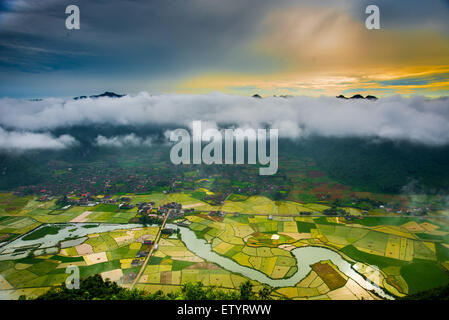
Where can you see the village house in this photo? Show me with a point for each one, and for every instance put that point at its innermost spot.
(216, 214)
(168, 231)
(136, 262)
(125, 206)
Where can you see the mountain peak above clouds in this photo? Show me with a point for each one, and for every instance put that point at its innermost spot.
(358, 96)
(107, 94)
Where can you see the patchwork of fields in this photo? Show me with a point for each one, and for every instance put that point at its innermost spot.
(403, 255)
(400, 253)
(109, 254)
(173, 264)
(230, 237)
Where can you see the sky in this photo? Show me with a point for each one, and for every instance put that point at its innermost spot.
(236, 47)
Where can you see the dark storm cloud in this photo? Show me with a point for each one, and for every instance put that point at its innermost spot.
(410, 14)
(128, 36)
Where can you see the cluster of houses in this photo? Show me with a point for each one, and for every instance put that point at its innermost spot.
(85, 201)
(45, 198)
(125, 206)
(216, 198)
(174, 208)
(140, 256)
(220, 214)
(168, 231)
(407, 211)
(168, 206)
(145, 207)
(103, 179)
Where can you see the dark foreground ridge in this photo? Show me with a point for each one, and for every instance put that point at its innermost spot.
(440, 293)
(95, 288)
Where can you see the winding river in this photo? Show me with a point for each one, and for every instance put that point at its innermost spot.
(75, 233)
(305, 257)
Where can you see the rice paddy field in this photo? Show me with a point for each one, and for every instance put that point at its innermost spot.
(109, 254)
(264, 205)
(406, 261)
(245, 241)
(403, 255)
(173, 264)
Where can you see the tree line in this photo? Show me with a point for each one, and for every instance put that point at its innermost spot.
(95, 288)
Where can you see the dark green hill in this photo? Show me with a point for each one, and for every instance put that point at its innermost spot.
(441, 293)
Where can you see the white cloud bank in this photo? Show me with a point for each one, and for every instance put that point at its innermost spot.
(129, 140)
(21, 140)
(414, 119)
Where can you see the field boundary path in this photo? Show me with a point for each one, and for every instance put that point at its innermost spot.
(329, 216)
(156, 240)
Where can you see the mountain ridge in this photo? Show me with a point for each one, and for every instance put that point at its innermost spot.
(358, 96)
(108, 94)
